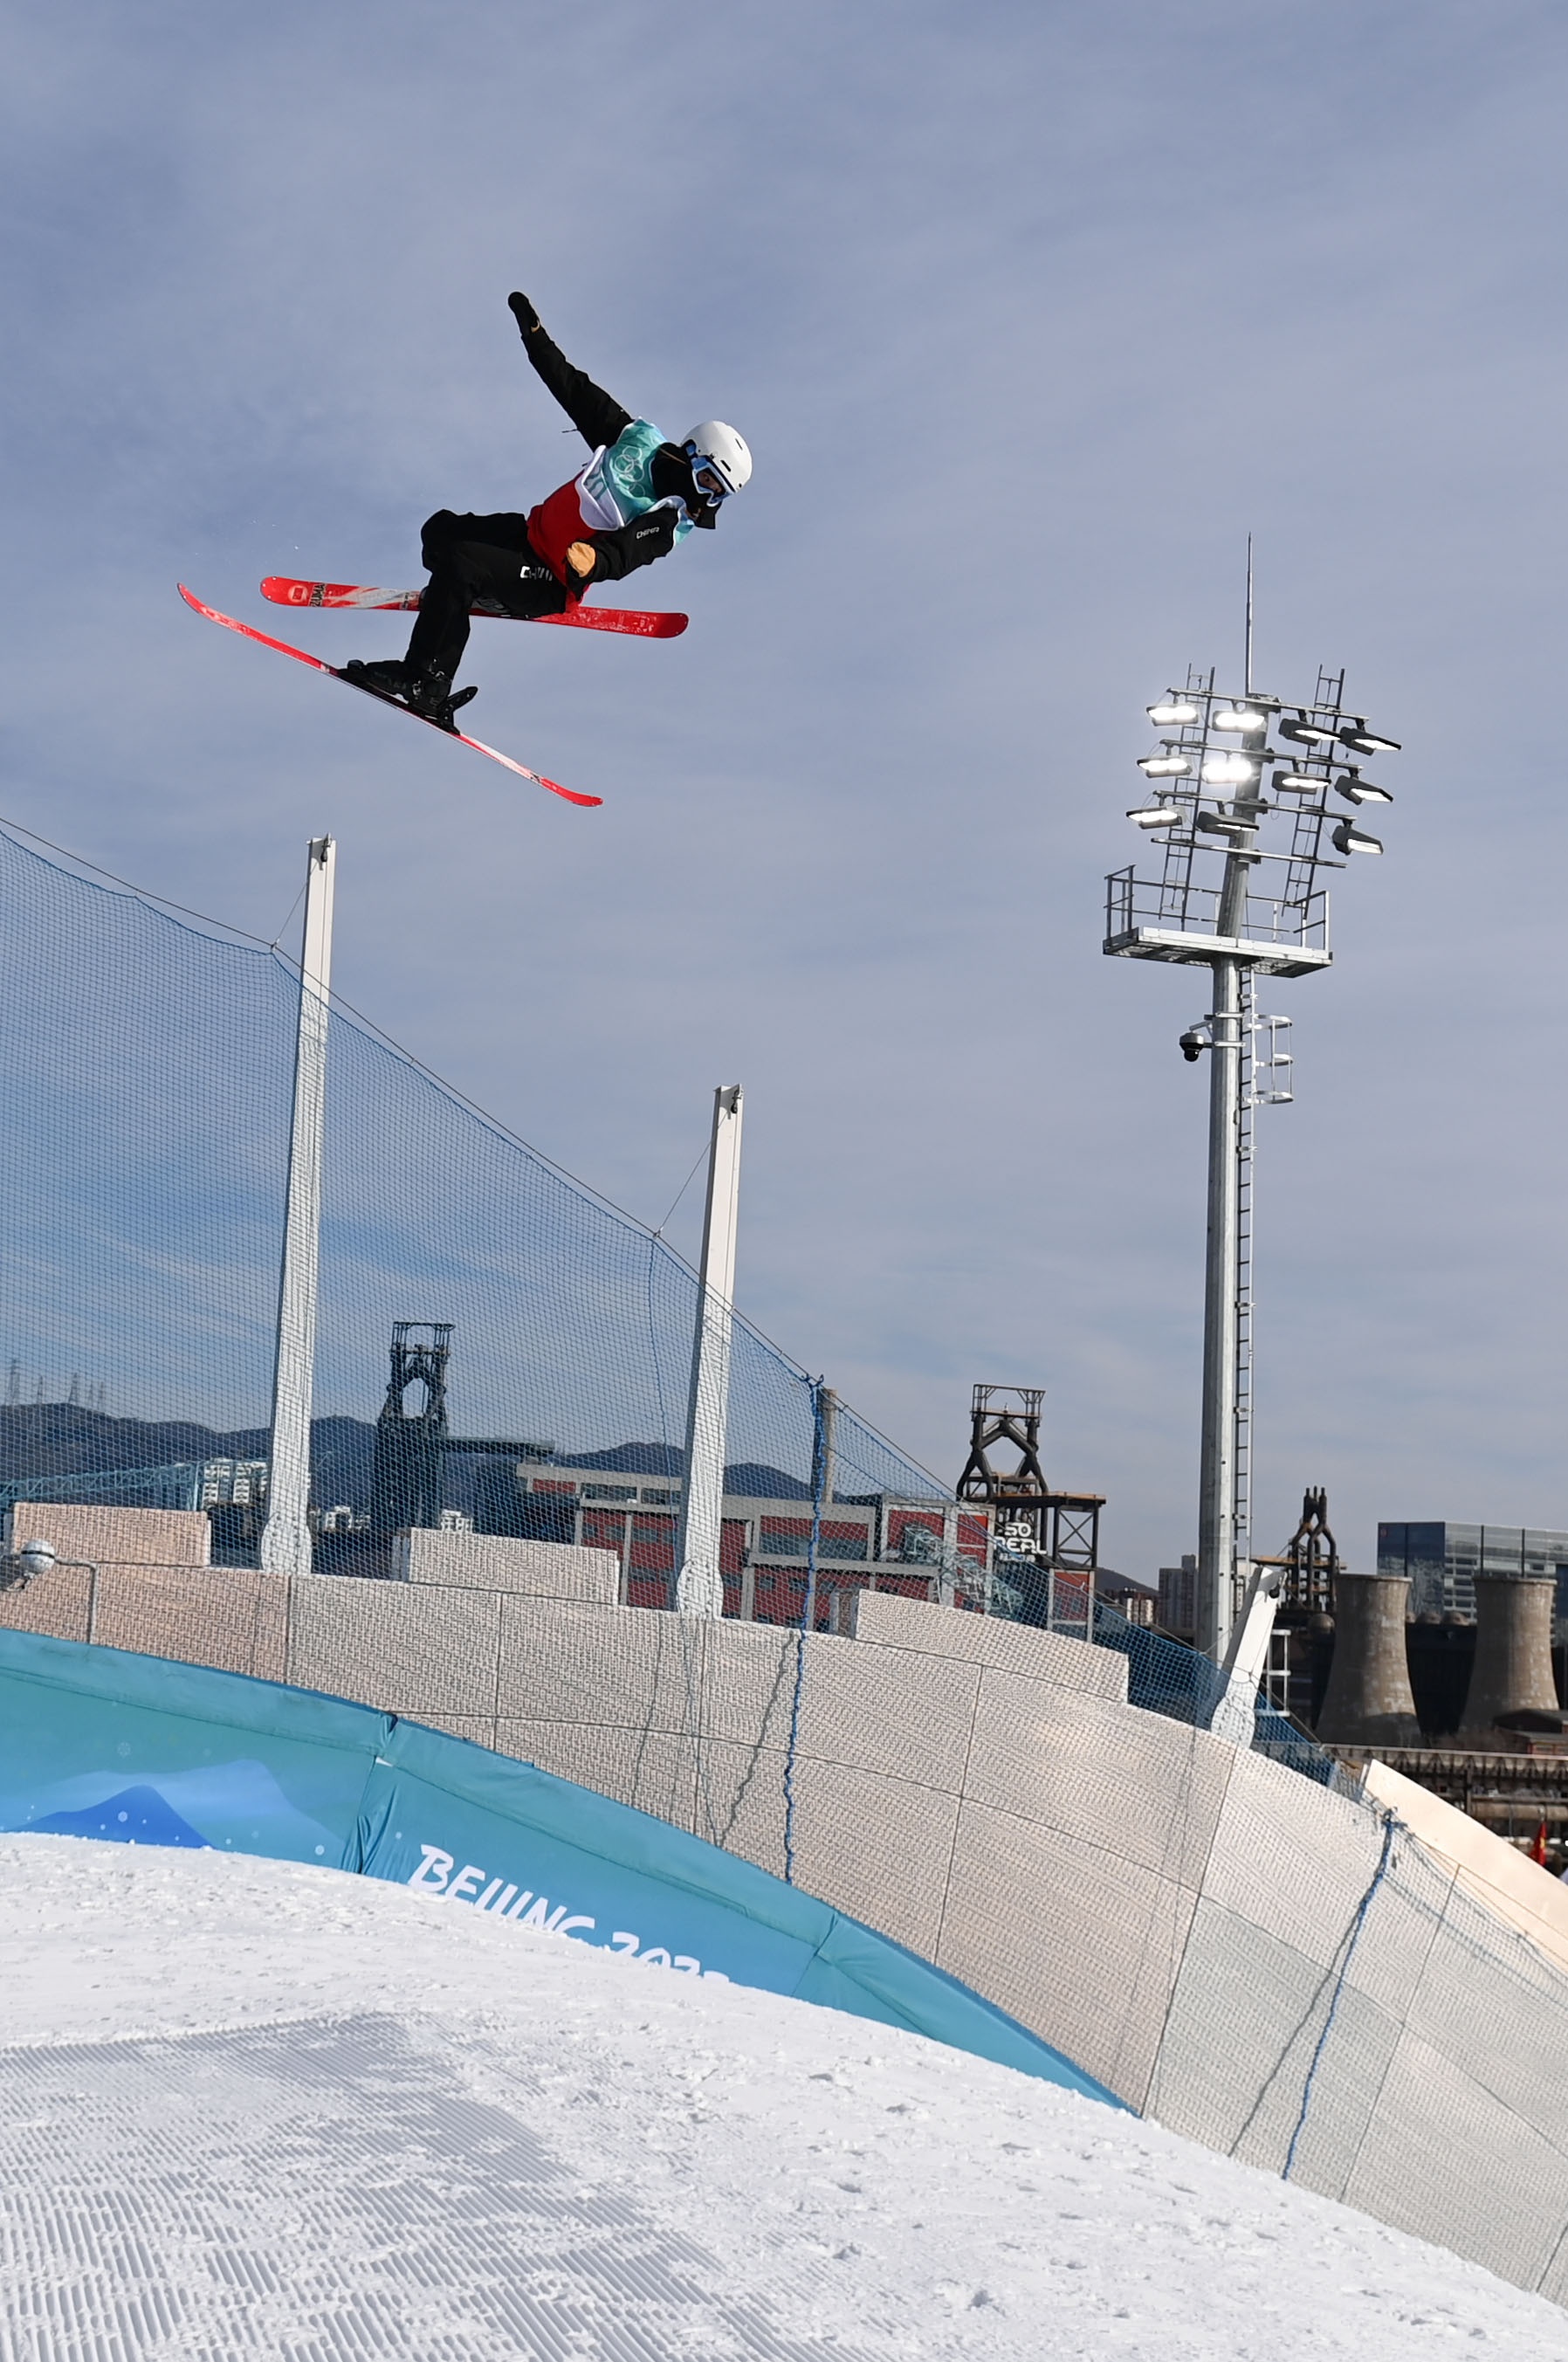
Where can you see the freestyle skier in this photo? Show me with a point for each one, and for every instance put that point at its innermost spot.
(635, 499)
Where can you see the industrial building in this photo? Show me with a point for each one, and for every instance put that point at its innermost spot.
(921, 1549)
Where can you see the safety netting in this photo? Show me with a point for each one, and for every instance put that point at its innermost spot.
(147, 1063)
(498, 1350)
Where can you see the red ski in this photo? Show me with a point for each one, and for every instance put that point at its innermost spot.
(318, 665)
(640, 623)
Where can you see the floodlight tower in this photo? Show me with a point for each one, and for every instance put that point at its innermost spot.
(1219, 790)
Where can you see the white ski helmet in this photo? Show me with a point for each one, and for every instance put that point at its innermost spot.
(724, 450)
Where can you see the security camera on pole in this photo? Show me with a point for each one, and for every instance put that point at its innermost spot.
(20, 1568)
(1219, 791)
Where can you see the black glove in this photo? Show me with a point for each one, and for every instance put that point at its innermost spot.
(621, 551)
(523, 311)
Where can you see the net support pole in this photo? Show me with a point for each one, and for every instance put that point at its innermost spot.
(825, 1476)
(699, 1583)
(285, 1536)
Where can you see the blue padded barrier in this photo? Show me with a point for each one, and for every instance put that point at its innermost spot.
(98, 1743)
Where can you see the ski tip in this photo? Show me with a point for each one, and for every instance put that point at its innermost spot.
(200, 607)
(568, 795)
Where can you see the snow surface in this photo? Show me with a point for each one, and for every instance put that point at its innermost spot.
(251, 2107)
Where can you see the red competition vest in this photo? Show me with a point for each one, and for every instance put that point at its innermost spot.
(553, 527)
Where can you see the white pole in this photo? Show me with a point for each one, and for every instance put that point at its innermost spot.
(1221, 1322)
(699, 1585)
(1246, 1660)
(1217, 1478)
(285, 1537)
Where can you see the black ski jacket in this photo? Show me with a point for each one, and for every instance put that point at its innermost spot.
(598, 418)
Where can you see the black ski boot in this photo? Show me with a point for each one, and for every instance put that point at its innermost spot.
(387, 678)
(430, 695)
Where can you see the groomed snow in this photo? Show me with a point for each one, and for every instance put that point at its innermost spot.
(249, 2107)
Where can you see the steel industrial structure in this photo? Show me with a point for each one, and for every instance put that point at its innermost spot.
(1055, 1530)
(411, 1445)
(1217, 790)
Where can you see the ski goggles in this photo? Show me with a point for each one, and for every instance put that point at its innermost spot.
(707, 479)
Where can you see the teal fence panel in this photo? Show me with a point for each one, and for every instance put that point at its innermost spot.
(98, 1743)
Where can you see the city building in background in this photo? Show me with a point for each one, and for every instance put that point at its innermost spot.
(1177, 1611)
(1442, 1561)
(1139, 1602)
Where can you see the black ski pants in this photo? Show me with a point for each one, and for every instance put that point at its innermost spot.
(473, 560)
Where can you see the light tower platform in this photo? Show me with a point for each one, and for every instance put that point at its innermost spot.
(1148, 918)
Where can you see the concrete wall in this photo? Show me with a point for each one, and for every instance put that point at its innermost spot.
(498, 1562)
(227, 1616)
(1176, 1914)
(128, 1537)
(156, 1593)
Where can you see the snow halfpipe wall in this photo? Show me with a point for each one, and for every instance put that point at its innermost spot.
(95, 1743)
(1281, 1971)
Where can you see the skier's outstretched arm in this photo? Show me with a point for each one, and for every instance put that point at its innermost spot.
(596, 417)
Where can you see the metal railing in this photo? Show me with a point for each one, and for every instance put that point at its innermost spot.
(177, 1485)
(1134, 904)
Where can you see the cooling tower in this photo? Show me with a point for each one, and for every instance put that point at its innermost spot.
(1368, 1700)
(1513, 1652)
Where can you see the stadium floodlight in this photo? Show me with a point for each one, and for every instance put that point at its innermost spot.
(1213, 904)
(1237, 717)
(1357, 790)
(1226, 770)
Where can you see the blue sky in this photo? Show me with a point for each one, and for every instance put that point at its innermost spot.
(1030, 313)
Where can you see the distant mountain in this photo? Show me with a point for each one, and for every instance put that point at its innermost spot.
(629, 1459)
(47, 1440)
(65, 1439)
(50, 1439)
(752, 1478)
